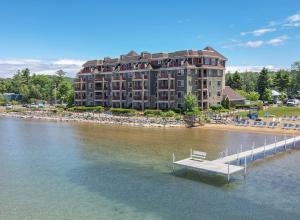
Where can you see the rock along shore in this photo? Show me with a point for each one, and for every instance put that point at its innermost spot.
(99, 118)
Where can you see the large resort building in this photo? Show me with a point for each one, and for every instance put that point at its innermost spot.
(156, 81)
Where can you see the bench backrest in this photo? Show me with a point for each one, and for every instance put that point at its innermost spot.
(199, 154)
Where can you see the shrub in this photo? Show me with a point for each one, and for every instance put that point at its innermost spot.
(123, 111)
(216, 107)
(153, 112)
(169, 114)
(177, 110)
(86, 108)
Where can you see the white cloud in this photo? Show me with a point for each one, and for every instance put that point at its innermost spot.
(259, 32)
(252, 68)
(69, 62)
(254, 44)
(292, 25)
(277, 41)
(8, 67)
(294, 18)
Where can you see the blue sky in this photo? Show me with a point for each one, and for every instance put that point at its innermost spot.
(48, 35)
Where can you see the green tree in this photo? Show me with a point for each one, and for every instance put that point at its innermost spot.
(226, 103)
(229, 81)
(262, 82)
(64, 91)
(253, 96)
(282, 81)
(190, 102)
(267, 96)
(236, 81)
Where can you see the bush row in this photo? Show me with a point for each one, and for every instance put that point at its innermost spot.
(123, 111)
(86, 108)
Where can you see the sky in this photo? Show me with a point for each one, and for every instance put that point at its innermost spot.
(59, 34)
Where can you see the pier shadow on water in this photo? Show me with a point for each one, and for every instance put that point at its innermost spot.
(202, 177)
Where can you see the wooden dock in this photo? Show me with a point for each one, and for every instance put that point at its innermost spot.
(225, 166)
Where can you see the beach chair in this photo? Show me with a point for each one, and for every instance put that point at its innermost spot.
(271, 125)
(290, 126)
(255, 124)
(263, 124)
(297, 127)
(285, 126)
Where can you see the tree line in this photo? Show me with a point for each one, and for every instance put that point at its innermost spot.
(256, 86)
(36, 87)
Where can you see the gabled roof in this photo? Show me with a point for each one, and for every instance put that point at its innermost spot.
(90, 63)
(132, 53)
(212, 51)
(232, 95)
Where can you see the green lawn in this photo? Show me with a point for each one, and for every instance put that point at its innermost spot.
(277, 111)
(281, 111)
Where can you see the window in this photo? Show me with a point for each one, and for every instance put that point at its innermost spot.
(220, 73)
(180, 73)
(180, 94)
(214, 62)
(219, 83)
(129, 84)
(180, 83)
(206, 61)
(219, 94)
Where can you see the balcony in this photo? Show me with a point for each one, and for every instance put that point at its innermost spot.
(99, 78)
(163, 98)
(140, 98)
(99, 97)
(98, 87)
(116, 98)
(166, 87)
(166, 76)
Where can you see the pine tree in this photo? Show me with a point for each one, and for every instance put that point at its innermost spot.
(263, 82)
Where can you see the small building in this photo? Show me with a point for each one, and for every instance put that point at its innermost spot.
(12, 97)
(275, 96)
(233, 97)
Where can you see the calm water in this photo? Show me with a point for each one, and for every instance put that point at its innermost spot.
(78, 171)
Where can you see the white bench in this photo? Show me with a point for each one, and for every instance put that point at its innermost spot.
(198, 155)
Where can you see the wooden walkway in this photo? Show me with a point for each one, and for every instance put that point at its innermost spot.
(224, 165)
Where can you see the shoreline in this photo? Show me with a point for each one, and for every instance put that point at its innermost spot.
(101, 118)
(140, 121)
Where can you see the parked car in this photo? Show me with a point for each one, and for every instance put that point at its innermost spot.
(33, 105)
(293, 102)
(8, 106)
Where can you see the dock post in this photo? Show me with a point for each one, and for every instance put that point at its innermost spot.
(241, 150)
(252, 156)
(245, 167)
(173, 157)
(228, 173)
(294, 140)
(285, 141)
(265, 147)
(275, 144)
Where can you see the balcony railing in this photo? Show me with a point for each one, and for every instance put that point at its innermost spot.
(98, 97)
(99, 78)
(140, 98)
(166, 87)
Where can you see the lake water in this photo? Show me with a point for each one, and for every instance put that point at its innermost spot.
(57, 171)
